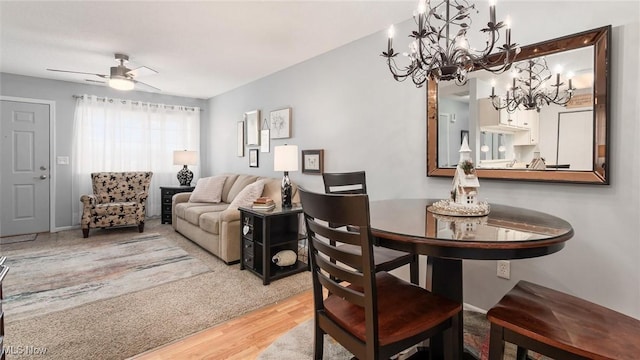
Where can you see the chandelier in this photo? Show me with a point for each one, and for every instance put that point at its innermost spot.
(440, 49)
(529, 89)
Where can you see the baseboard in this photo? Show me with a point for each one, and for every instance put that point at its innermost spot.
(470, 307)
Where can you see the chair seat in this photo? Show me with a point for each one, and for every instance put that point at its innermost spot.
(568, 323)
(404, 310)
(116, 208)
(384, 259)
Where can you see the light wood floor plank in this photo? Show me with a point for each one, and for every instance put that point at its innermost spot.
(242, 338)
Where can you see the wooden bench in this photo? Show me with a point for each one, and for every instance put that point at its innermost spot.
(560, 326)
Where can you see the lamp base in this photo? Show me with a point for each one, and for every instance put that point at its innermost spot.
(286, 191)
(185, 176)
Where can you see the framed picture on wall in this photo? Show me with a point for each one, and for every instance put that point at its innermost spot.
(280, 123)
(253, 158)
(252, 119)
(312, 162)
(265, 143)
(240, 151)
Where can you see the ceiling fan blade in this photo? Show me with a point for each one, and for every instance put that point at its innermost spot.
(78, 72)
(95, 81)
(141, 71)
(145, 84)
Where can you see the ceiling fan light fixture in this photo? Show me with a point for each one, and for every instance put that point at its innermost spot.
(121, 84)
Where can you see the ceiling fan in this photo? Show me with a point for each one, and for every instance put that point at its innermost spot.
(120, 77)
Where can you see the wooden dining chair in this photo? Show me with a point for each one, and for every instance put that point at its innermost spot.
(560, 326)
(385, 259)
(372, 314)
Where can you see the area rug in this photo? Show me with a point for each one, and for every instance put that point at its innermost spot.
(124, 325)
(49, 279)
(297, 344)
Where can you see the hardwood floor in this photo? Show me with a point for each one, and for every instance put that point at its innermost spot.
(241, 338)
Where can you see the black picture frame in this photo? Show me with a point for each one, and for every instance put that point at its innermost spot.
(253, 158)
(313, 162)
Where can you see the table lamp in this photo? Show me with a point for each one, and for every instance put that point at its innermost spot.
(185, 158)
(285, 158)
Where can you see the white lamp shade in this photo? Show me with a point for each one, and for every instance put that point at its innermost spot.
(184, 157)
(285, 158)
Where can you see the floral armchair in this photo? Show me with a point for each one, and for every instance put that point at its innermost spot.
(118, 199)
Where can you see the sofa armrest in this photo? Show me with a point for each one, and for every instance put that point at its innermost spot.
(175, 200)
(229, 215)
(181, 197)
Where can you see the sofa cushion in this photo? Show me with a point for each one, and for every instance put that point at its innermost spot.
(208, 189)
(273, 189)
(210, 222)
(241, 182)
(192, 213)
(231, 179)
(248, 195)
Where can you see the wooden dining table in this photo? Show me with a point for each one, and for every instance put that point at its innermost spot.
(506, 233)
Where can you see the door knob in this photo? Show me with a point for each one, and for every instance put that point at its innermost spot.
(43, 177)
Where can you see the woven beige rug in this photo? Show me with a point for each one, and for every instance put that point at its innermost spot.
(121, 326)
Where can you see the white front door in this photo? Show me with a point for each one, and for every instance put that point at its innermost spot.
(24, 178)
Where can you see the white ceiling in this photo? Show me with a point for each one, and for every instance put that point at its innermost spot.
(199, 48)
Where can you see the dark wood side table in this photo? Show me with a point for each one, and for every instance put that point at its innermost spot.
(4, 269)
(262, 235)
(167, 193)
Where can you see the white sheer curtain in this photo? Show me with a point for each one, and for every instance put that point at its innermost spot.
(124, 135)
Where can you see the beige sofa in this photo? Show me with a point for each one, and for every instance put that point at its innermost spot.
(212, 225)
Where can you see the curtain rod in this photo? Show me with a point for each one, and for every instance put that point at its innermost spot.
(99, 98)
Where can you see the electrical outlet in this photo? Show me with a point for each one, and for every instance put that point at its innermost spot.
(504, 269)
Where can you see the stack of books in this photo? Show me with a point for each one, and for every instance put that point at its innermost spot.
(263, 203)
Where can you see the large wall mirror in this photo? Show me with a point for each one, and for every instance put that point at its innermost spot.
(572, 138)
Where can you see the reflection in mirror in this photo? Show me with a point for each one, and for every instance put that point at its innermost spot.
(565, 141)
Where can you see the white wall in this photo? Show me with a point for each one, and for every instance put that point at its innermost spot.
(62, 93)
(346, 102)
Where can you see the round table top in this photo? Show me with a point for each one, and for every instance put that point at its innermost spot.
(506, 233)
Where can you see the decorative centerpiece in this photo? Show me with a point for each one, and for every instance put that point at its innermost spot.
(462, 228)
(464, 192)
(537, 163)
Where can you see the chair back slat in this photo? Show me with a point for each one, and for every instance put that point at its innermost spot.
(345, 183)
(340, 272)
(349, 294)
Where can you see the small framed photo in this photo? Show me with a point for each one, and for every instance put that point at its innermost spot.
(253, 158)
(280, 123)
(264, 141)
(252, 119)
(313, 162)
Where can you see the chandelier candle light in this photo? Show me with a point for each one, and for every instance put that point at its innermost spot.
(439, 52)
(184, 158)
(529, 91)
